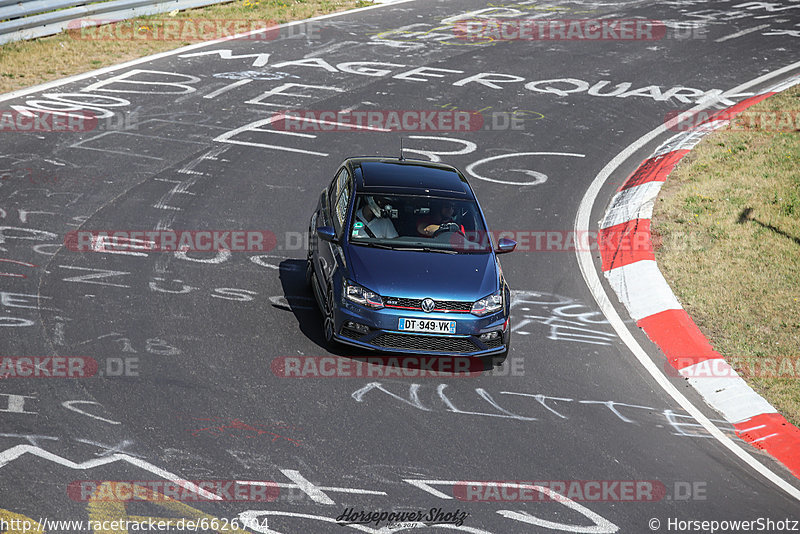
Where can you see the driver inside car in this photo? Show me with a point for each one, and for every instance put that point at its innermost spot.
(369, 220)
(442, 219)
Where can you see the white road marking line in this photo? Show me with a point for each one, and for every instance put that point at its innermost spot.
(743, 32)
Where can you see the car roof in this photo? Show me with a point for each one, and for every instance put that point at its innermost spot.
(393, 175)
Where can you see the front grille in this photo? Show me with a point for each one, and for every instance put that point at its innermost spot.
(416, 304)
(427, 343)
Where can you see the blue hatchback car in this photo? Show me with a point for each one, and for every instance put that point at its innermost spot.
(400, 260)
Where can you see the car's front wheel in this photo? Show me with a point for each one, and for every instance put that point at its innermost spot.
(328, 326)
(496, 360)
(309, 271)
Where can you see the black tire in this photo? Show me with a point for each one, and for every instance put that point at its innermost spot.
(327, 329)
(328, 325)
(499, 359)
(309, 261)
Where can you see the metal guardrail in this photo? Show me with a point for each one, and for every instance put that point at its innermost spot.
(29, 19)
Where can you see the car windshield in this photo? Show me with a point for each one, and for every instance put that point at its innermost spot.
(433, 224)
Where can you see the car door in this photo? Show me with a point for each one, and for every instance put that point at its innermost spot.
(333, 213)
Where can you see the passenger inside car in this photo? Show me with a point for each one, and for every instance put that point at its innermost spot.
(370, 220)
(443, 213)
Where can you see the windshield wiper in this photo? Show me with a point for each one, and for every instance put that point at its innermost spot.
(402, 247)
(428, 249)
(370, 244)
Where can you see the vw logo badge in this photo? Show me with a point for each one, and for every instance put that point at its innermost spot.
(428, 305)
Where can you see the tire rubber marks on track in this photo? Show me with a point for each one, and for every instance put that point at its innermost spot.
(553, 406)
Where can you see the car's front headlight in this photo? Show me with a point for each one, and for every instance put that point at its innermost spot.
(362, 295)
(487, 305)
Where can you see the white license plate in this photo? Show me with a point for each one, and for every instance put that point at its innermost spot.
(427, 325)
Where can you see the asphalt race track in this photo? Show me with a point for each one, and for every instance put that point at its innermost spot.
(182, 143)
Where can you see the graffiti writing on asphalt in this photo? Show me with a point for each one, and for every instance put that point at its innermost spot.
(567, 319)
(324, 495)
(27, 404)
(95, 98)
(537, 407)
(419, 35)
(124, 344)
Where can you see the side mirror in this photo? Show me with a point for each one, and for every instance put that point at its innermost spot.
(327, 233)
(505, 245)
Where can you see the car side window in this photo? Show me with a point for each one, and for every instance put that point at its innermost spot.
(342, 199)
(335, 188)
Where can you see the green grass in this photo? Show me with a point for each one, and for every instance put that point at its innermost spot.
(729, 216)
(27, 63)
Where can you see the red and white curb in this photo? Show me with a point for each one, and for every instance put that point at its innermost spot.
(631, 270)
